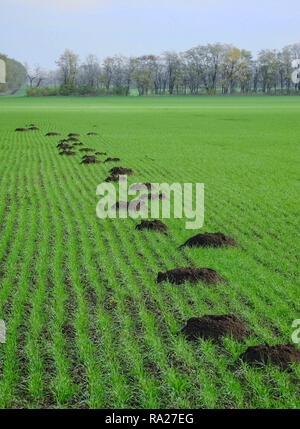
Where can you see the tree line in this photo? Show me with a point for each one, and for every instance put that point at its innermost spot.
(205, 69)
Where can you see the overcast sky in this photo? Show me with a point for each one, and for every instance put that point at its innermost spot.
(37, 31)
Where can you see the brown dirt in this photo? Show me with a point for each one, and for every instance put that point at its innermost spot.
(100, 153)
(77, 144)
(208, 239)
(33, 128)
(92, 134)
(215, 327)
(89, 156)
(153, 225)
(67, 152)
(193, 275)
(21, 129)
(280, 354)
(113, 178)
(73, 135)
(90, 160)
(86, 149)
(72, 139)
(121, 170)
(122, 205)
(53, 134)
(64, 146)
(112, 160)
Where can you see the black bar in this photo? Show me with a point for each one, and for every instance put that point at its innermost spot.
(138, 418)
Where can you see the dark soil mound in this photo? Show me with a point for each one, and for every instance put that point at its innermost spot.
(121, 170)
(92, 134)
(89, 156)
(31, 125)
(153, 225)
(100, 153)
(77, 144)
(215, 327)
(281, 354)
(73, 135)
(112, 160)
(67, 153)
(64, 146)
(33, 128)
(21, 129)
(210, 239)
(90, 160)
(112, 179)
(86, 149)
(72, 139)
(53, 134)
(193, 275)
(129, 205)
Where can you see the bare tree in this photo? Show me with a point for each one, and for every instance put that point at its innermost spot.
(35, 76)
(173, 67)
(143, 73)
(91, 71)
(269, 69)
(68, 64)
(107, 72)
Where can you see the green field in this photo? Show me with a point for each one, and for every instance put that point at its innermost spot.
(87, 324)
